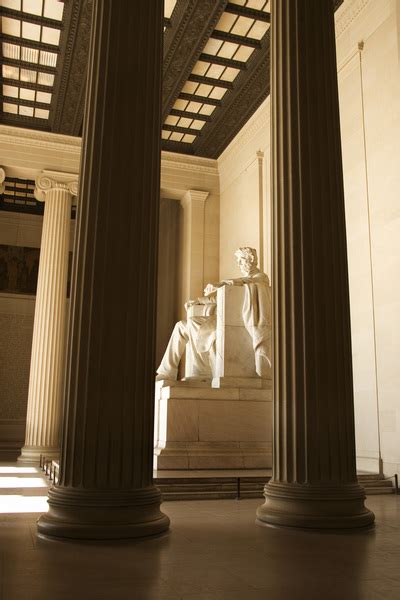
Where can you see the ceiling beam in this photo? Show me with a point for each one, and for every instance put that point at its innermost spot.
(27, 84)
(29, 18)
(24, 121)
(167, 22)
(228, 85)
(224, 62)
(202, 99)
(24, 102)
(181, 129)
(192, 25)
(189, 115)
(241, 40)
(12, 62)
(251, 13)
(17, 41)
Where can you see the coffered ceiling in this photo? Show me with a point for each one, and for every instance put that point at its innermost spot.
(216, 68)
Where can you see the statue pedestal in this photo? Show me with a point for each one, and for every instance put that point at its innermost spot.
(200, 427)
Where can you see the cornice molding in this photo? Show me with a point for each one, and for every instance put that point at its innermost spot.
(39, 139)
(347, 13)
(183, 162)
(194, 196)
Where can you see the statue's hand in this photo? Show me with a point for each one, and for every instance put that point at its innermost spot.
(228, 282)
(190, 303)
(209, 289)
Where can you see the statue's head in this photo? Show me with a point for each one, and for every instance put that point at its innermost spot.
(247, 259)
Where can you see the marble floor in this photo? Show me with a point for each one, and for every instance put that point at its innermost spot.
(214, 551)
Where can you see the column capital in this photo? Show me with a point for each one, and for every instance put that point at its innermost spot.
(191, 195)
(51, 180)
(2, 180)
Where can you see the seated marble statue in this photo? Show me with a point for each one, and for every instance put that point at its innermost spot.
(200, 331)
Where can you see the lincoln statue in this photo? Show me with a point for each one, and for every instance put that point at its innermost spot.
(199, 332)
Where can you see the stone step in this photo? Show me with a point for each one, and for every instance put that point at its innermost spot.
(208, 488)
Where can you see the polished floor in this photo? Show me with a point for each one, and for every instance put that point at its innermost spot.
(214, 551)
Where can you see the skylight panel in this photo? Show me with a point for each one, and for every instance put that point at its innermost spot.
(196, 124)
(242, 26)
(258, 30)
(10, 90)
(14, 4)
(41, 113)
(26, 111)
(10, 72)
(190, 87)
(184, 122)
(28, 75)
(181, 104)
(194, 107)
(215, 71)
(53, 9)
(48, 59)
(228, 49)
(226, 22)
(34, 7)
(171, 120)
(212, 46)
(10, 108)
(243, 53)
(45, 79)
(256, 4)
(176, 137)
(43, 97)
(188, 138)
(29, 55)
(11, 26)
(11, 51)
(50, 36)
(169, 6)
(26, 94)
(30, 31)
(200, 67)
(207, 109)
(203, 89)
(230, 74)
(218, 93)
(241, 2)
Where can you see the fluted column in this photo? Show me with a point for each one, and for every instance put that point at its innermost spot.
(2, 180)
(47, 370)
(105, 488)
(314, 481)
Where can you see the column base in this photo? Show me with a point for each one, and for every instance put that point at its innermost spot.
(315, 506)
(31, 454)
(103, 514)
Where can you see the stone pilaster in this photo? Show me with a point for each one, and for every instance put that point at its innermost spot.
(193, 204)
(105, 488)
(47, 370)
(314, 481)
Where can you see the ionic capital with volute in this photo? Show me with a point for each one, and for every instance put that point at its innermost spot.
(48, 181)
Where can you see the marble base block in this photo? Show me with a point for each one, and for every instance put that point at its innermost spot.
(201, 427)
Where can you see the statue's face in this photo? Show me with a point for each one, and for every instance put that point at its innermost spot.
(244, 265)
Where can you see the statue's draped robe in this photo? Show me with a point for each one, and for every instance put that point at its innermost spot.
(256, 314)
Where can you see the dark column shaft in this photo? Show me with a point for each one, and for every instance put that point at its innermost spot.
(105, 488)
(314, 475)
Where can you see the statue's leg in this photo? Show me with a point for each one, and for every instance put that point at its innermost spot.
(168, 368)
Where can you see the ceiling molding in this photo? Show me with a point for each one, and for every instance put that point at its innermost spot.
(70, 83)
(183, 162)
(348, 13)
(192, 25)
